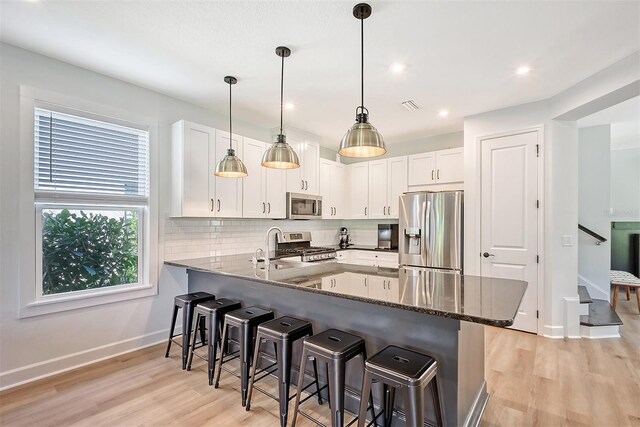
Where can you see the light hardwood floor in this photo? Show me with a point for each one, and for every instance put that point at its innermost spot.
(533, 381)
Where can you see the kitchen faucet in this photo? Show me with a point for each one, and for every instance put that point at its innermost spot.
(267, 251)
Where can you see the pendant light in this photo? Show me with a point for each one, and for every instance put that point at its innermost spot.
(362, 140)
(231, 166)
(280, 155)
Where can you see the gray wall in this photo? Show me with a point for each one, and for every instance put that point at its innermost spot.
(594, 261)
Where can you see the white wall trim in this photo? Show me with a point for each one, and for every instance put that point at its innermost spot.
(597, 332)
(554, 332)
(572, 317)
(58, 365)
(594, 290)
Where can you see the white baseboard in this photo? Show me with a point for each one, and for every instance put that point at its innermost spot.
(597, 332)
(594, 290)
(54, 366)
(554, 332)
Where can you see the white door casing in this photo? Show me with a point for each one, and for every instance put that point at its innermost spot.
(509, 216)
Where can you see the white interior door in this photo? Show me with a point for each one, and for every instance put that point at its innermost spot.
(509, 232)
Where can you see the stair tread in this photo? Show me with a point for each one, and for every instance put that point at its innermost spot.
(600, 314)
(584, 296)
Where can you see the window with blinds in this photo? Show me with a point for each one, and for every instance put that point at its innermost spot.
(76, 155)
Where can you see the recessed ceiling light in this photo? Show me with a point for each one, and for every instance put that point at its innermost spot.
(522, 71)
(398, 68)
(289, 106)
(443, 113)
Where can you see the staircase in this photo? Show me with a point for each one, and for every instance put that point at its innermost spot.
(597, 317)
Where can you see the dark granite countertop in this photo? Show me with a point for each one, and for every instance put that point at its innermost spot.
(354, 247)
(484, 300)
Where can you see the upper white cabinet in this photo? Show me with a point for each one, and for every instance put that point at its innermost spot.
(333, 189)
(387, 181)
(306, 178)
(196, 149)
(437, 167)
(359, 190)
(264, 189)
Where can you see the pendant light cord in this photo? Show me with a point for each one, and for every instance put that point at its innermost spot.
(362, 62)
(281, 94)
(230, 121)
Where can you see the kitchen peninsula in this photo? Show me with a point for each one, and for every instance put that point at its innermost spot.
(441, 314)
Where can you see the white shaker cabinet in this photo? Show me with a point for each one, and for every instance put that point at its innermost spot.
(306, 178)
(333, 182)
(359, 190)
(387, 181)
(192, 153)
(228, 191)
(436, 167)
(264, 189)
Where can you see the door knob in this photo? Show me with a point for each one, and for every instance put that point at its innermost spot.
(487, 255)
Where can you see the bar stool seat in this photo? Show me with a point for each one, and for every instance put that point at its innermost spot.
(246, 320)
(186, 302)
(335, 348)
(213, 313)
(282, 332)
(410, 372)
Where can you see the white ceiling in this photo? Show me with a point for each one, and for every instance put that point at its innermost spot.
(460, 55)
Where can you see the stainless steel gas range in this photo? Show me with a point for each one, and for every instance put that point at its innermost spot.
(299, 243)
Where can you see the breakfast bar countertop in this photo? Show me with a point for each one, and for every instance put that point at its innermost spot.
(475, 299)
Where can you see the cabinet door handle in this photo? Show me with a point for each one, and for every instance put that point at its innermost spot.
(211, 205)
(263, 207)
(432, 177)
(365, 281)
(438, 174)
(302, 184)
(306, 184)
(384, 210)
(218, 205)
(365, 211)
(269, 209)
(388, 210)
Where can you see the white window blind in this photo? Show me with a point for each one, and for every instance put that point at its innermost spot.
(85, 156)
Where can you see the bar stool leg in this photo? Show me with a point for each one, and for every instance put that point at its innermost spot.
(172, 328)
(366, 390)
(187, 320)
(303, 366)
(315, 375)
(364, 369)
(437, 402)
(389, 400)
(246, 340)
(284, 373)
(211, 323)
(414, 406)
(193, 344)
(336, 392)
(225, 330)
(252, 378)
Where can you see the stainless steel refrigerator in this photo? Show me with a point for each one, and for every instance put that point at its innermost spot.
(431, 230)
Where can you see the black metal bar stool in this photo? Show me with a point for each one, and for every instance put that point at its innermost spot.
(187, 303)
(212, 312)
(335, 348)
(409, 372)
(283, 332)
(246, 320)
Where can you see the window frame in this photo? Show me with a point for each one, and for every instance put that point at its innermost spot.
(32, 201)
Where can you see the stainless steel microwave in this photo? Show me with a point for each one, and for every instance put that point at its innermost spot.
(304, 206)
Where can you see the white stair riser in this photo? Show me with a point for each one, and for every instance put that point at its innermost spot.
(597, 332)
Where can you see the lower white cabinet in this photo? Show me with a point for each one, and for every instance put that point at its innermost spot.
(264, 194)
(375, 259)
(384, 288)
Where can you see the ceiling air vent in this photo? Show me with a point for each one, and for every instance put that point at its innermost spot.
(411, 105)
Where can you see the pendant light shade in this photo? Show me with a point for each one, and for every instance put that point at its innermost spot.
(231, 166)
(281, 155)
(362, 139)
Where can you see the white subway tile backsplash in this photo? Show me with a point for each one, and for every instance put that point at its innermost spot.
(197, 238)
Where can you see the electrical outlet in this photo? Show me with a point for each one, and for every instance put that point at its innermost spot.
(567, 240)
